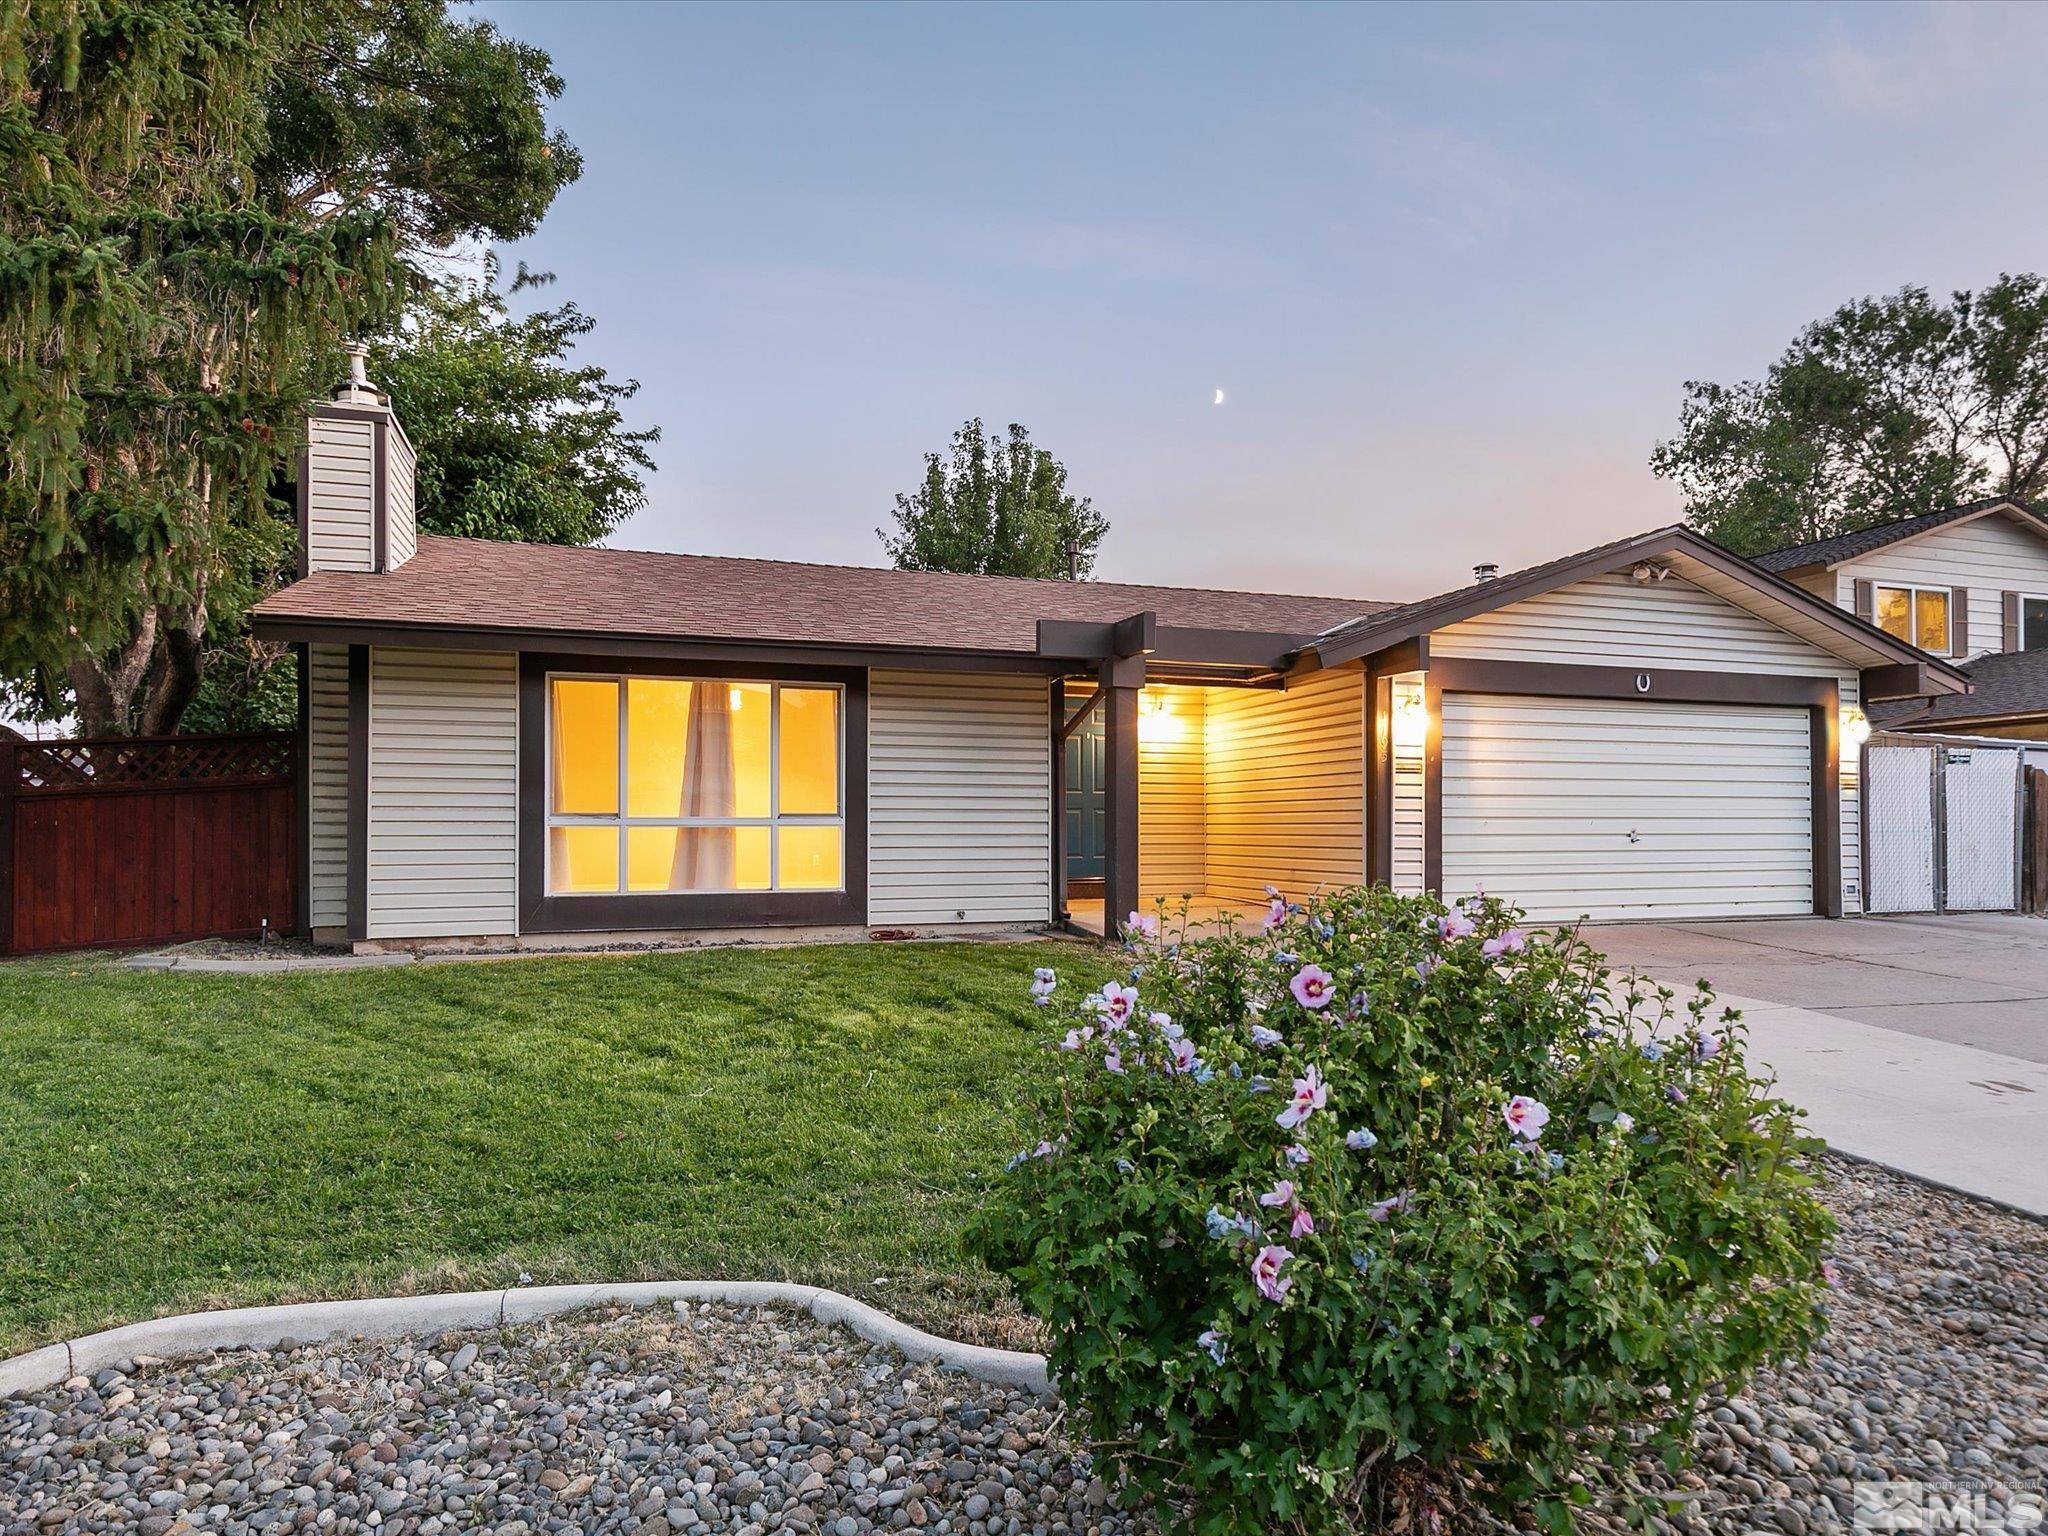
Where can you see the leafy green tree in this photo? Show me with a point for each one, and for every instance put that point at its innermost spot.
(997, 507)
(1888, 408)
(199, 200)
(515, 440)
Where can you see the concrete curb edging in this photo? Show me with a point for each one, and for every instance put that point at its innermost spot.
(393, 1317)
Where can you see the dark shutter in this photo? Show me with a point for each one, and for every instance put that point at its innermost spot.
(1958, 621)
(2011, 620)
(1866, 602)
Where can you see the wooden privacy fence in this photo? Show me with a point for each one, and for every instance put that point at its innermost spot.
(147, 840)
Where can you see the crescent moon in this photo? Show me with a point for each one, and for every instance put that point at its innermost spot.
(1219, 398)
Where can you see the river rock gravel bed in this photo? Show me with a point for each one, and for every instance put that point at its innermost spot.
(752, 1421)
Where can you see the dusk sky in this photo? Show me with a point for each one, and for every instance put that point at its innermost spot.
(1451, 265)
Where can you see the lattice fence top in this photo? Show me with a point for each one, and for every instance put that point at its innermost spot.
(156, 761)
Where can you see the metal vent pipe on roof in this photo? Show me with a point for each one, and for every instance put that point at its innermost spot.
(1485, 571)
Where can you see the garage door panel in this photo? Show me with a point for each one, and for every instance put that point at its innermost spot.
(1621, 809)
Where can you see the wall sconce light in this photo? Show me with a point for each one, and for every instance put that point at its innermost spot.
(1411, 720)
(1855, 731)
(1156, 720)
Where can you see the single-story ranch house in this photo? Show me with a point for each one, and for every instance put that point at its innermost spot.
(544, 745)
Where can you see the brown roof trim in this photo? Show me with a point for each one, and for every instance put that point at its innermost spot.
(1351, 641)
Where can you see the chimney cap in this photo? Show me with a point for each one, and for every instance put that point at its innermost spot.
(1486, 570)
(357, 388)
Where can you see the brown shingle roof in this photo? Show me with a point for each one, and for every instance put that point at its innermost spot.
(485, 584)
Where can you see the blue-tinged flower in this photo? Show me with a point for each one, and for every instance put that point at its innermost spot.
(1653, 1050)
(1259, 1085)
(1163, 1022)
(1361, 1140)
(1113, 1059)
(1361, 1260)
(1361, 1004)
(1236, 1070)
(1322, 928)
(1265, 1039)
(1624, 1122)
(1706, 1045)
(1211, 1343)
(1424, 969)
(1595, 1031)
(1556, 1162)
(1295, 1153)
(1042, 982)
(1675, 1094)
(1017, 1161)
(1124, 1165)
(1202, 1072)
(1223, 1226)
(1286, 957)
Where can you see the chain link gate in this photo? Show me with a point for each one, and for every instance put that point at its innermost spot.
(1943, 823)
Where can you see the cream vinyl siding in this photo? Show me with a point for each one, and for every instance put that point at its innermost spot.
(1407, 871)
(1286, 785)
(444, 794)
(327, 784)
(1172, 795)
(1616, 622)
(959, 798)
(339, 490)
(401, 539)
(1620, 809)
(1987, 556)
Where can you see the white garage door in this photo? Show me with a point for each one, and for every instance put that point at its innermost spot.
(1614, 809)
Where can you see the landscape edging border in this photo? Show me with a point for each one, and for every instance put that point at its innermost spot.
(391, 1317)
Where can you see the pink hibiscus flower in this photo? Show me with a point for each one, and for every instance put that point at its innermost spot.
(1276, 914)
(1266, 1266)
(1144, 925)
(1311, 987)
(1281, 1193)
(1310, 1094)
(1525, 1116)
(1117, 1002)
(1454, 924)
(1303, 1223)
(1513, 942)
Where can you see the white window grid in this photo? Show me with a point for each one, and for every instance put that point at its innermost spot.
(775, 818)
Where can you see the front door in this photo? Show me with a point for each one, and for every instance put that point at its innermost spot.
(1087, 801)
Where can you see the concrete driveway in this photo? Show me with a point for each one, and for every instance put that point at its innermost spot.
(1970, 979)
(1917, 1042)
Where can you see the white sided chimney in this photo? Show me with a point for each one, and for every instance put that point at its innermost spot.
(356, 480)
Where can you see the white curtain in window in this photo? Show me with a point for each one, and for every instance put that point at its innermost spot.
(704, 855)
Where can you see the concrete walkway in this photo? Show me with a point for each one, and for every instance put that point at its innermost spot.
(1917, 1042)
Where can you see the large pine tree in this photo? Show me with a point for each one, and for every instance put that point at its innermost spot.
(199, 201)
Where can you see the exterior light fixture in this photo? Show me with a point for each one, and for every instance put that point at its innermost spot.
(1855, 730)
(1411, 720)
(1156, 720)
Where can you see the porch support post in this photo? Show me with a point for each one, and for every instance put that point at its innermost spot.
(1122, 678)
(1058, 742)
(1824, 747)
(1379, 779)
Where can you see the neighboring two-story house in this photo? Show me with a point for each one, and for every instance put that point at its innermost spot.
(1969, 584)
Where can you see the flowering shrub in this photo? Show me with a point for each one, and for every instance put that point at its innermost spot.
(1392, 1208)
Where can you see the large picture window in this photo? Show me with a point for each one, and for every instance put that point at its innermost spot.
(673, 785)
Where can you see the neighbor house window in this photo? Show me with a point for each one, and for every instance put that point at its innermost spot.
(668, 784)
(1917, 615)
(2034, 623)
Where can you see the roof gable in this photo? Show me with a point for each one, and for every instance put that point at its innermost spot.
(1828, 553)
(1699, 561)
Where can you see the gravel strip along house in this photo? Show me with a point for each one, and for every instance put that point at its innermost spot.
(535, 745)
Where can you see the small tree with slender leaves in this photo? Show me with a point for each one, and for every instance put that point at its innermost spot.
(995, 506)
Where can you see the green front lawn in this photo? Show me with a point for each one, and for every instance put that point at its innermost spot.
(169, 1142)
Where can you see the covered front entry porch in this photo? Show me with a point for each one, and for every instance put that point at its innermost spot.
(1238, 787)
